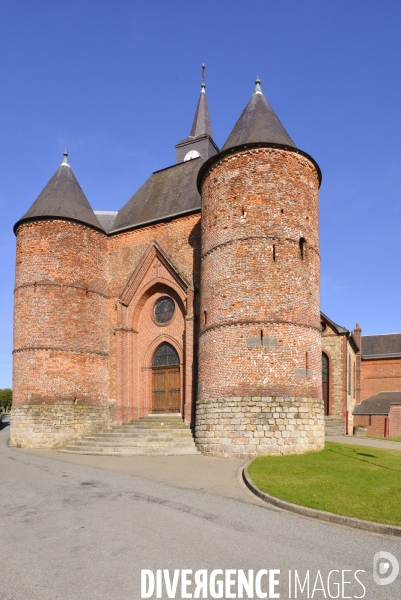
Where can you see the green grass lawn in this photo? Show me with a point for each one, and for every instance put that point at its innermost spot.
(356, 481)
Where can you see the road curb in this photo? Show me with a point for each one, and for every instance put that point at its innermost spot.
(319, 514)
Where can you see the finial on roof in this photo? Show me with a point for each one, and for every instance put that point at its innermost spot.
(65, 160)
(203, 70)
(203, 85)
(258, 89)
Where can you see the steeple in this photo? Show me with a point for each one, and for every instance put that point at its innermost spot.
(258, 123)
(201, 124)
(200, 142)
(62, 198)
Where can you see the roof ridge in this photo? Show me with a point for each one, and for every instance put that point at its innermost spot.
(375, 334)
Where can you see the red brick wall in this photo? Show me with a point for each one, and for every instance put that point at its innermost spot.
(395, 420)
(257, 204)
(380, 375)
(133, 333)
(69, 283)
(60, 315)
(375, 424)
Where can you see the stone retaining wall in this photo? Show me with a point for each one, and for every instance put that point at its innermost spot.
(256, 426)
(52, 426)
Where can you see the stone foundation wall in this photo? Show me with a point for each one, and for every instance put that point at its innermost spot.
(256, 426)
(52, 426)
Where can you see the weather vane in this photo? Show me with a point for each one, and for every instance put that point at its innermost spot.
(203, 70)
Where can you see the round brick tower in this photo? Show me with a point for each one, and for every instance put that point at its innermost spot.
(60, 352)
(260, 388)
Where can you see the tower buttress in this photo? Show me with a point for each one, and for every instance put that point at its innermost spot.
(260, 339)
(60, 357)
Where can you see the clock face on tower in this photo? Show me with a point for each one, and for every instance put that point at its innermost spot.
(191, 154)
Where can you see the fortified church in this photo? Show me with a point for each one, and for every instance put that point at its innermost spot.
(196, 305)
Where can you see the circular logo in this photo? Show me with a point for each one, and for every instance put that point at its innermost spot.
(381, 565)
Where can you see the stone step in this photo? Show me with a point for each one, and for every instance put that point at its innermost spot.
(136, 436)
(160, 451)
(149, 425)
(334, 425)
(154, 434)
(134, 443)
(160, 419)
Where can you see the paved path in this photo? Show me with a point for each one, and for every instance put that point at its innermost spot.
(357, 441)
(79, 532)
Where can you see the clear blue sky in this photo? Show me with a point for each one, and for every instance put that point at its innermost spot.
(117, 82)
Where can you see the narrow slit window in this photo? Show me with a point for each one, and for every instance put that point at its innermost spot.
(274, 252)
(302, 242)
(204, 317)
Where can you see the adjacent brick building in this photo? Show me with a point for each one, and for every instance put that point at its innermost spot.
(379, 375)
(339, 375)
(200, 297)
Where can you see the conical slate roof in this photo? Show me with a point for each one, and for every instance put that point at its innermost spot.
(62, 198)
(201, 124)
(258, 124)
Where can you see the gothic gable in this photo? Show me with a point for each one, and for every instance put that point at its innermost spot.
(155, 266)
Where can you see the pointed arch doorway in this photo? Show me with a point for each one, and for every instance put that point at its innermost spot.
(166, 380)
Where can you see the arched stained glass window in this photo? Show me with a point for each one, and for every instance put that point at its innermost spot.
(165, 355)
(164, 309)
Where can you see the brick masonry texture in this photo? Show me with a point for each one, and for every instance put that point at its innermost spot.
(376, 424)
(380, 375)
(395, 421)
(260, 277)
(60, 314)
(60, 322)
(138, 277)
(250, 426)
(84, 331)
(342, 385)
(44, 426)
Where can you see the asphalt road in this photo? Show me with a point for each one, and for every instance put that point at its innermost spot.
(75, 532)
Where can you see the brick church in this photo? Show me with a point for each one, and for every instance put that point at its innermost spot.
(198, 299)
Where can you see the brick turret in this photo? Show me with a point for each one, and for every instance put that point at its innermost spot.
(260, 356)
(60, 334)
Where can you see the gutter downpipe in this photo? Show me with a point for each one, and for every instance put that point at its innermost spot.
(347, 388)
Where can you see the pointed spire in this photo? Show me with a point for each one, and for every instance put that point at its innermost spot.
(199, 143)
(258, 124)
(201, 124)
(258, 89)
(65, 159)
(62, 198)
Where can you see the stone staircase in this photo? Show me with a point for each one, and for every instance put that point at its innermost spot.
(334, 425)
(157, 435)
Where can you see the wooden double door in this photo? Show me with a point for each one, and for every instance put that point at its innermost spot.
(166, 389)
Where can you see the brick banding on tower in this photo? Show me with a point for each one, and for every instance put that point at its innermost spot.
(255, 398)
